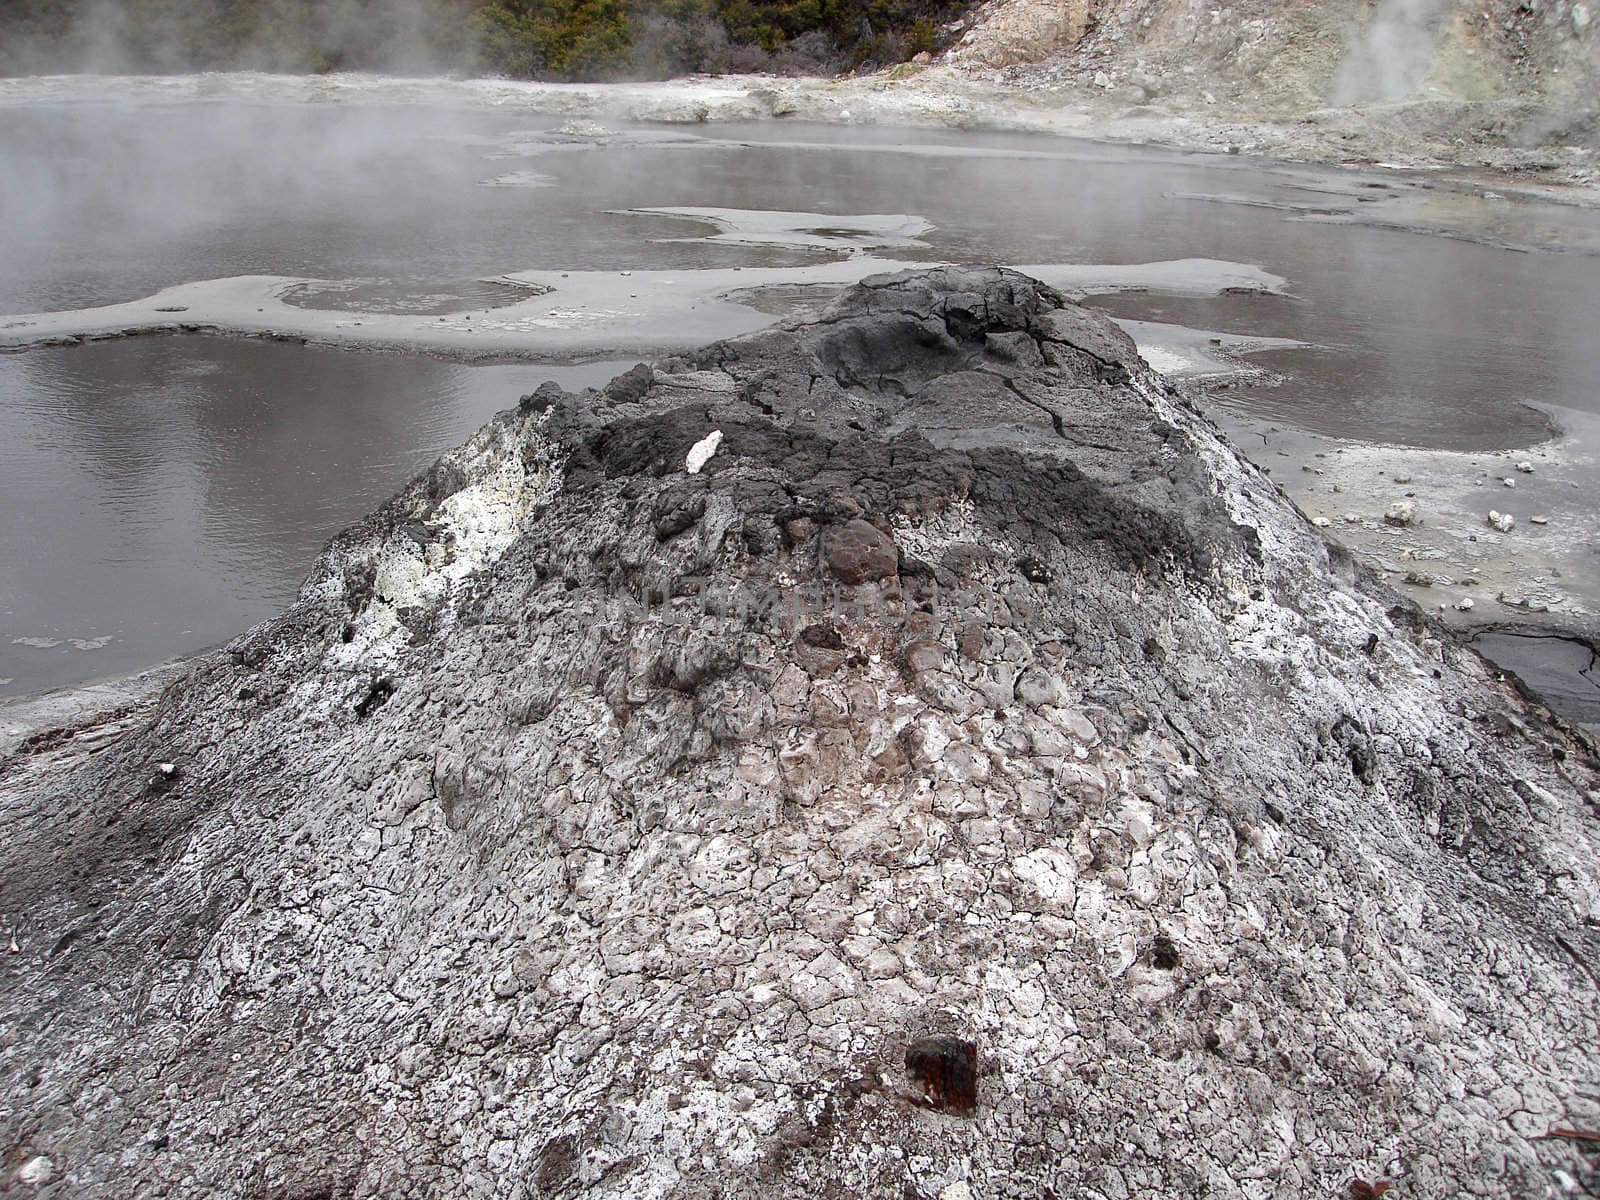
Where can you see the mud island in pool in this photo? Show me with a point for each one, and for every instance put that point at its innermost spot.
(973, 780)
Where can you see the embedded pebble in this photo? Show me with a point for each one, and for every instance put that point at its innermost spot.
(36, 1172)
(1402, 513)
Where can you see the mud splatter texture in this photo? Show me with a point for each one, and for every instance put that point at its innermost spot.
(583, 829)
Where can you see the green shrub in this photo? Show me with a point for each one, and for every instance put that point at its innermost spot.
(555, 39)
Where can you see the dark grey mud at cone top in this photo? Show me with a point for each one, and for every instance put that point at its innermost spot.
(971, 780)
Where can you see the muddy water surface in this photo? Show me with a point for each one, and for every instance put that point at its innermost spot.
(162, 494)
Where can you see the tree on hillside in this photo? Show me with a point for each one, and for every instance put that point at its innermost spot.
(561, 39)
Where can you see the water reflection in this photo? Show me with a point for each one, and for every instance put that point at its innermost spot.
(165, 493)
(1434, 341)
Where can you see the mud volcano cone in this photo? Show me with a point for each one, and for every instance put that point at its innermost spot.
(972, 780)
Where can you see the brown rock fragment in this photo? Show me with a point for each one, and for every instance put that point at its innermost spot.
(857, 552)
(799, 531)
(923, 655)
(824, 636)
(947, 1069)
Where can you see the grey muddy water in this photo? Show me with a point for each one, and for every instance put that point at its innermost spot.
(163, 493)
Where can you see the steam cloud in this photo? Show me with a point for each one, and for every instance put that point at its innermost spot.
(137, 36)
(1391, 58)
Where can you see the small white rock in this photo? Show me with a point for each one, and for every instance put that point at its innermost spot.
(1525, 467)
(1352, 518)
(1501, 521)
(1509, 482)
(1402, 512)
(36, 1171)
(1541, 519)
(1321, 522)
(700, 453)
(1464, 604)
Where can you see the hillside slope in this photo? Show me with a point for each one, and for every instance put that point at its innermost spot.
(1520, 71)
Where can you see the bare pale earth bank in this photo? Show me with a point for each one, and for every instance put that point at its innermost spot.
(905, 752)
(1517, 140)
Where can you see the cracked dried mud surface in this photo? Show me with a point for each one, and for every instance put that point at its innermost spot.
(594, 827)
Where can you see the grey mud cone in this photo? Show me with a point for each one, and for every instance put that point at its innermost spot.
(973, 781)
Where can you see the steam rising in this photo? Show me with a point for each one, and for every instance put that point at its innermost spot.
(1392, 57)
(138, 36)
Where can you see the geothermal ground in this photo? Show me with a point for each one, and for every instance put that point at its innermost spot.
(901, 753)
(893, 742)
(1372, 335)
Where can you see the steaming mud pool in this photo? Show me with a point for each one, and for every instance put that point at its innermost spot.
(237, 320)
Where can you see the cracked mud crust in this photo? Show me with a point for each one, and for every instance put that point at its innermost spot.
(973, 780)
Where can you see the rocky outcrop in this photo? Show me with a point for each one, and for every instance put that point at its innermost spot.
(1497, 72)
(972, 780)
(1007, 32)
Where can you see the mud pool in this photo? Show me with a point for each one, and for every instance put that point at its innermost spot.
(162, 493)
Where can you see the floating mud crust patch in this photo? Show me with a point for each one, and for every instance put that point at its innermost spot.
(399, 297)
(801, 229)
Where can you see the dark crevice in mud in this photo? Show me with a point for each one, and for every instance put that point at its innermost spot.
(1059, 422)
(1055, 417)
